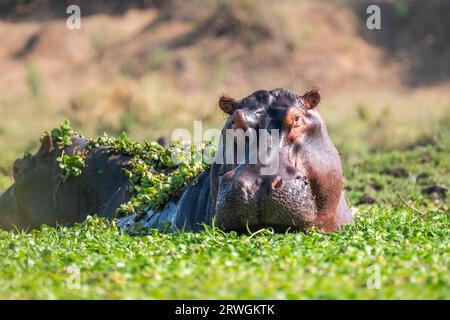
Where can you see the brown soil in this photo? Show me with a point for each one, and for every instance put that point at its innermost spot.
(318, 44)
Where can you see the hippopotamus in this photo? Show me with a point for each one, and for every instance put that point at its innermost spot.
(303, 189)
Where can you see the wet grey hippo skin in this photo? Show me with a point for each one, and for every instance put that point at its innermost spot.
(304, 191)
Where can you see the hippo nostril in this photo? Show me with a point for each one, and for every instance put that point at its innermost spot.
(276, 183)
(241, 187)
(239, 184)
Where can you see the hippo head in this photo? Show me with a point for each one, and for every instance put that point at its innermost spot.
(288, 175)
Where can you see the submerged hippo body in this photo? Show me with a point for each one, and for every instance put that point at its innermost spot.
(303, 188)
(38, 196)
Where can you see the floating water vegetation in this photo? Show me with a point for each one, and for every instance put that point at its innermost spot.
(156, 174)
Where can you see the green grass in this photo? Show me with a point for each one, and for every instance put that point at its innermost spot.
(382, 175)
(410, 252)
(407, 246)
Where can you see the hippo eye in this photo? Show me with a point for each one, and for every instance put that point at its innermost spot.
(297, 118)
(16, 169)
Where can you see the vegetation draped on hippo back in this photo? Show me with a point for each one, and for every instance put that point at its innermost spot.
(155, 175)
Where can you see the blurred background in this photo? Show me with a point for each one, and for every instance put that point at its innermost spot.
(147, 67)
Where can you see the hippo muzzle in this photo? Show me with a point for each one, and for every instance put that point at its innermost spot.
(268, 201)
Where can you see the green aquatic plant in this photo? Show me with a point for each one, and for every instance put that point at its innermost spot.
(156, 174)
(410, 253)
(63, 134)
(70, 166)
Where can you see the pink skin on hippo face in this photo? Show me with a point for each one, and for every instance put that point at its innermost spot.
(305, 191)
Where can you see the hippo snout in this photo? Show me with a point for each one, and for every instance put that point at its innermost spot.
(268, 201)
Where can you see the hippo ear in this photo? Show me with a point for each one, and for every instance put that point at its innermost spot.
(228, 104)
(312, 99)
(46, 145)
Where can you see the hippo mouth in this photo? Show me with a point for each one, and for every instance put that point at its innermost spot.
(287, 208)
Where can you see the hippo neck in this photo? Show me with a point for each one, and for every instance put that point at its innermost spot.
(195, 207)
(189, 212)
